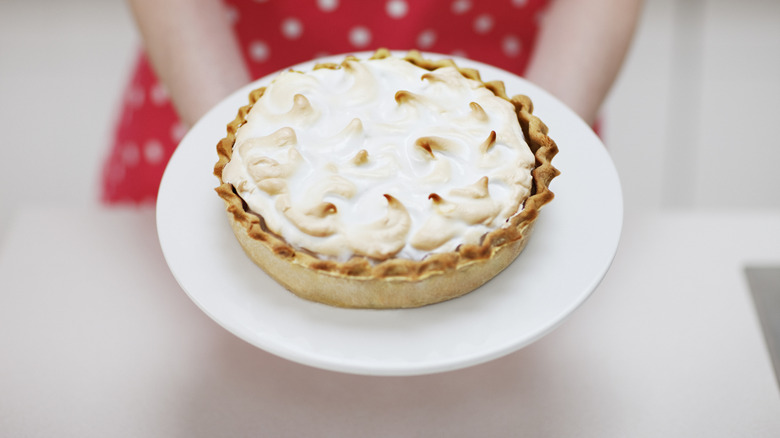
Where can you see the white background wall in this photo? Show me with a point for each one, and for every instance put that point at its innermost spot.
(62, 68)
(692, 122)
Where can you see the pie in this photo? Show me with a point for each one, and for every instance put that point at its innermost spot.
(386, 182)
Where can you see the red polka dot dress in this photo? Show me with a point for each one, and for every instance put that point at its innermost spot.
(275, 34)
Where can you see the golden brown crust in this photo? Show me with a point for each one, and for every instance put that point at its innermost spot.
(394, 283)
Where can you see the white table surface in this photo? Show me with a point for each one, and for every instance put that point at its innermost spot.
(98, 339)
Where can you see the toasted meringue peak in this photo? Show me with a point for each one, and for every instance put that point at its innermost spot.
(279, 138)
(436, 231)
(403, 96)
(338, 186)
(322, 209)
(355, 126)
(262, 168)
(364, 83)
(433, 77)
(318, 221)
(449, 76)
(467, 212)
(425, 146)
(488, 143)
(477, 112)
(477, 190)
(385, 237)
(301, 107)
(419, 102)
(434, 143)
(360, 158)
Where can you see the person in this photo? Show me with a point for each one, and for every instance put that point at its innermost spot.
(196, 52)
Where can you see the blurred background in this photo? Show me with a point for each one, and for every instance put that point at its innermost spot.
(692, 122)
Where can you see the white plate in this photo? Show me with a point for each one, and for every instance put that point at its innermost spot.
(574, 242)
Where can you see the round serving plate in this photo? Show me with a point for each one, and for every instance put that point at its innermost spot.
(575, 239)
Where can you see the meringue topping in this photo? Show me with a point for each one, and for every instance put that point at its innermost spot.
(380, 158)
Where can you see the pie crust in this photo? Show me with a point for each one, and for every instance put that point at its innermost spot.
(395, 282)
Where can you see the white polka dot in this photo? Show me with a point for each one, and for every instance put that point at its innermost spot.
(292, 28)
(328, 5)
(178, 130)
(153, 151)
(159, 94)
(519, 3)
(426, 39)
(483, 24)
(360, 36)
(130, 154)
(511, 46)
(396, 8)
(460, 6)
(259, 51)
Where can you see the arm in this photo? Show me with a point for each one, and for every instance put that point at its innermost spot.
(581, 47)
(193, 50)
